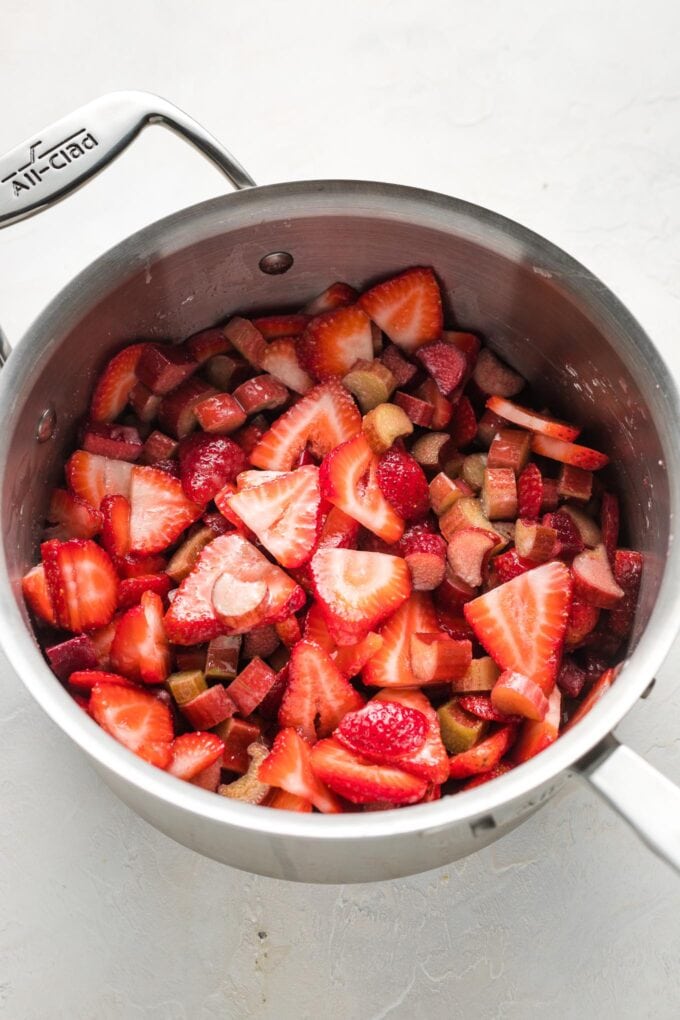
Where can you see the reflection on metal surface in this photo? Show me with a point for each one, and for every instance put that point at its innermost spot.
(276, 262)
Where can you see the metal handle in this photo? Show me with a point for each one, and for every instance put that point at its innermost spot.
(62, 157)
(648, 801)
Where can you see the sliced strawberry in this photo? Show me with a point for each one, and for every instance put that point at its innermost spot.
(403, 483)
(570, 541)
(131, 589)
(463, 424)
(194, 752)
(207, 344)
(283, 512)
(140, 647)
(351, 659)
(281, 360)
(483, 756)
(536, 736)
(628, 574)
(522, 623)
(283, 801)
(207, 463)
(338, 531)
(34, 587)
(407, 307)
(113, 387)
(571, 679)
(324, 418)
(431, 761)
(485, 777)
(349, 479)
(597, 691)
(445, 363)
(72, 516)
(516, 694)
(91, 477)
(383, 731)
(316, 630)
(115, 512)
(136, 566)
(317, 696)
(136, 719)
(569, 453)
(358, 590)
(332, 342)
(274, 326)
(87, 679)
(81, 582)
(360, 781)
(338, 295)
(160, 511)
(481, 706)
(288, 767)
(532, 420)
(509, 565)
(391, 665)
(529, 493)
(192, 619)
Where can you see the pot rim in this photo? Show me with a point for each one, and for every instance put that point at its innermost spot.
(338, 198)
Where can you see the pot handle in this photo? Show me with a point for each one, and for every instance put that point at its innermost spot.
(648, 801)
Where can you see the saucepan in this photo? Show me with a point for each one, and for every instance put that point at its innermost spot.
(274, 246)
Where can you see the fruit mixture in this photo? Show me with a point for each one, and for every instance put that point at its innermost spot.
(332, 560)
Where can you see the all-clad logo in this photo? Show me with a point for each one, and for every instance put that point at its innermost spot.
(41, 161)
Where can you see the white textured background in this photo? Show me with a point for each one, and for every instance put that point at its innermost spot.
(565, 116)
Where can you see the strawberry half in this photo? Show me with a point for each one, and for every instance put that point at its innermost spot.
(113, 388)
(91, 477)
(391, 664)
(569, 453)
(324, 418)
(283, 512)
(34, 587)
(81, 583)
(159, 510)
(207, 463)
(361, 781)
(288, 767)
(483, 756)
(191, 753)
(383, 731)
(358, 590)
(522, 623)
(349, 480)
(403, 483)
(407, 307)
(281, 360)
(140, 649)
(72, 516)
(137, 719)
(317, 696)
(332, 342)
(532, 420)
(430, 761)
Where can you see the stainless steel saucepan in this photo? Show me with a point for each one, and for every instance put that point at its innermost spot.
(264, 247)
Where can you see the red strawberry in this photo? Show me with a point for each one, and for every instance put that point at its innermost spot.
(81, 582)
(463, 423)
(628, 574)
(140, 648)
(391, 665)
(207, 344)
(360, 781)
(522, 623)
(113, 387)
(281, 360)
(568, 453)
(115, 511)
(324, 418)
(289, 768)
(485, 777)
(349, 479)
(283, 801)
(383, 731)
(351, 659)
(317, 696)
(338, 295)
(529, 493)
(91, 477)
(483, 756)
(72, 516)
(568, 536)
(283, 512)
(136, 566)
(34, 587)
(536, 736)
(403, 483)
(431, 761)
(207, 463)
(445, 363)
(192, 619)
(274, 326)
(358, 590)
(571, 678)
(137, 719)
(87, 679)
(131, 589)
(582, 621)
(191, 753)
(532, 420)
(338, 531)
(442, 409)
(332, 342)
(481, 706)
(407, 307)
(609, 523)
(159, 511)
(316, 630)
(509, 565)
(598, 690)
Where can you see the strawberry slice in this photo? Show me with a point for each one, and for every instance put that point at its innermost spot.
(316, 630)
(407, 307)
(463, 423)
(403, 483)
(483, 756)
(430, 761)
(274, 326)
(324, 418)
(569, 453)
(34, 587)
(532, 420)
(351, 659)
(522, 623)
(159, 510)
(338, 295)
(81, 583)
(191, 753)
(332, 342)
(485, 777)
(72, 516)
(91, 477)
(391, 665)
(536, 736)
(207, 463)
(384, 731)
(358, 590)
(283, 512)
(192, 619)
(317, 696)
(140, 649)
(115, 512)
(137, 719)
(598, 690)
(283, 801)
(529, 493)
(131, 589)
(280, 359)
(87, 679)
(288, 767)
(361, 781)
(628, 575)
(349, 480)
(113, 387)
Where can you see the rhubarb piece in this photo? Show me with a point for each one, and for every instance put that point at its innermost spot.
(442, 409)
(280, 359)
(71, 516)
(583, 619)
(453, 592)
(163, 368)
(534, 737)
(207, 463)
(510, 448)
(437, 657)
(445, 491)
(529, 493)
(248, 788)
(627, 574)
(597, 691)
(549, 499)
(391, 665)
(338, 295)
(384, 424)
(334, 341)
(237, 736)
(140, 649)
(220, 414)
(261, 642)
(318, 695)
(90, 477)
(186, 686)
(131, 589)
(569, 453)
(251, 686)
(261, 393)
(487, 427)
(177, 412)
(571, 679)
(531, 420)
(575, 483)
(516, 694)
(183, 561)
(445, 363)
(589, 533)
(192, 753)
(431, 449)
(609, 523)
(191, 658)
(34, 587)
(427, 569)
(115, 383)
(144, 403)
(246, 338)
(136, 719)
(224, 371)
(159, 511)
(594, 581)
(370, 382)
(209, 708)
(535, 542)
(474, 467)
(221, 661)
(288, 767)
(483, 756)
(157, 447)
(360, 781)
(207, 344)
(116, 441)
(272, 327)
(348, 479)
(467, 551)
(499, 493)
(464, 426)
(468, 343)
(403, 371)
(403, 483)
(419, 412)
(481, 675)
(76, 654)
(459, 729)
(465, 513)
(288, 631)
(115, 513)
(408, 308)
(81, 583)
(493, 376)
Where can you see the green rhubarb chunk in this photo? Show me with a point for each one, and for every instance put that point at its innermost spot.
(460, 730)
(222, 658)
(187, 685)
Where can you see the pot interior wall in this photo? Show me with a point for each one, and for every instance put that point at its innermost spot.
(583, 364)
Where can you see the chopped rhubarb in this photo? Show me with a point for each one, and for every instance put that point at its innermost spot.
(499, 494)
(510, 448)
(460, 730)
